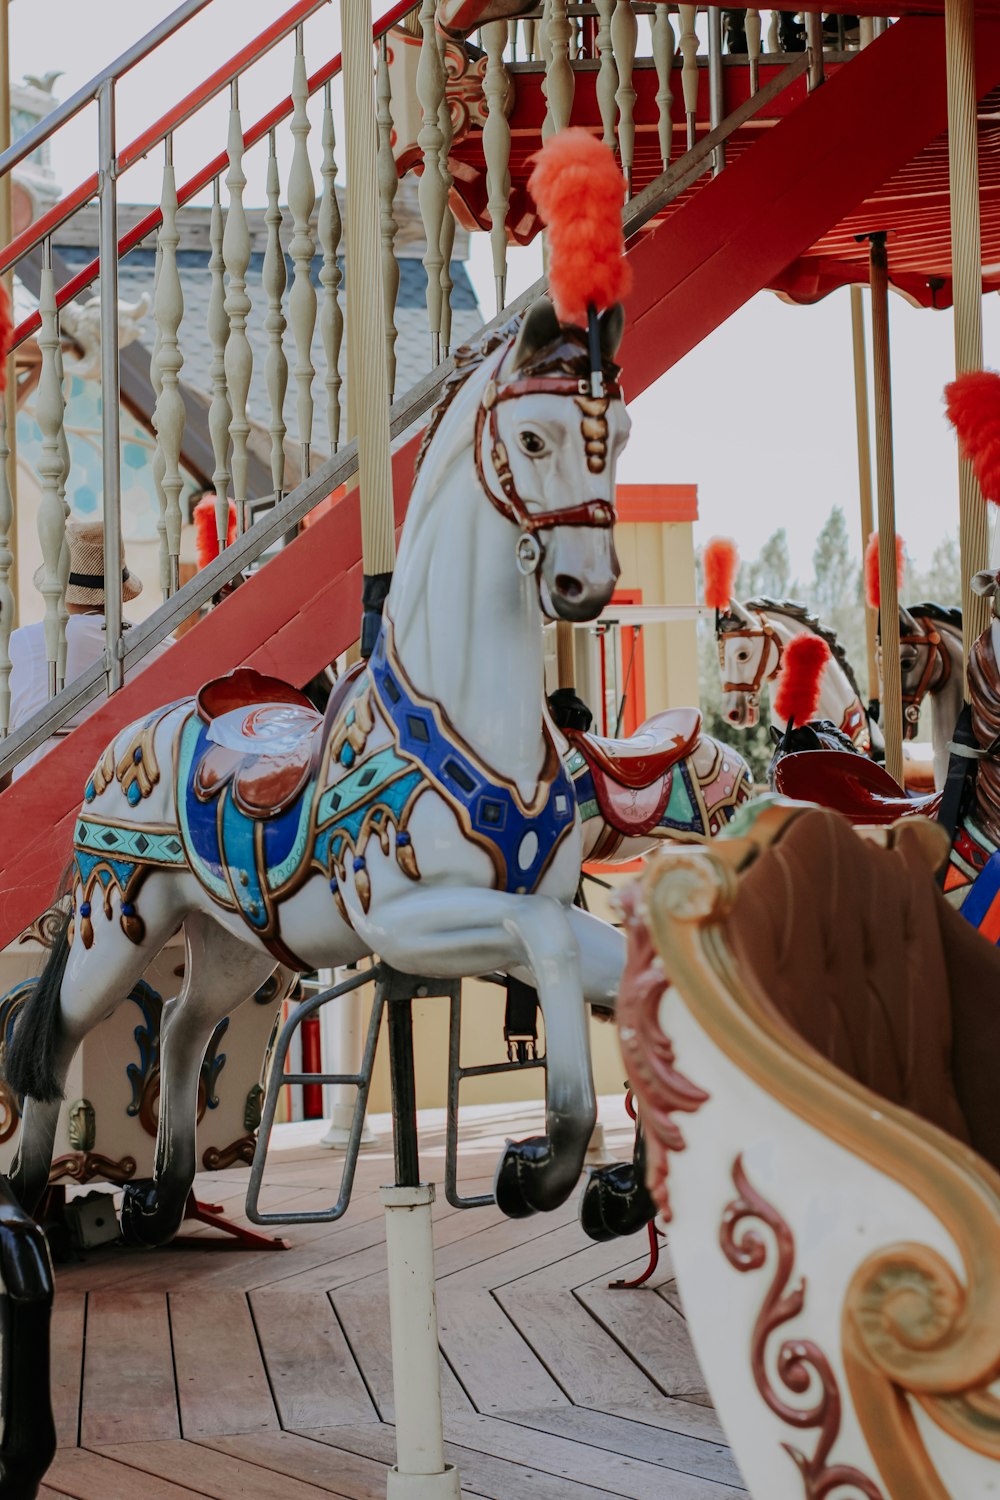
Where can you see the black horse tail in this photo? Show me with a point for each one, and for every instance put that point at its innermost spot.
(27, 1062)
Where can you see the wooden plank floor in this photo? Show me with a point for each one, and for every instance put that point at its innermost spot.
(204, 1370)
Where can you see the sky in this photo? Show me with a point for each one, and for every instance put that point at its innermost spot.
(760, 415)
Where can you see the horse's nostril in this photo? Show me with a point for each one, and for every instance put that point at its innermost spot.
(568, 586)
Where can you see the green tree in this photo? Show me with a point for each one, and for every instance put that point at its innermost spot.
(770, 572)
(942, 583)
(834, 569)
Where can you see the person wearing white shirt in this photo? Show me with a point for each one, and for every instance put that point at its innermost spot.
(85, 635)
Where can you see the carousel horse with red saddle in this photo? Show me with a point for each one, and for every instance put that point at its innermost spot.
(434, 815)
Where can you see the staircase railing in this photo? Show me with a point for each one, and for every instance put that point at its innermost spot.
(422, 80)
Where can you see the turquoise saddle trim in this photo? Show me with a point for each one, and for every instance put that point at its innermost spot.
(376, 790)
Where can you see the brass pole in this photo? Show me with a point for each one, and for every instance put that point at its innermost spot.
(892, 690)
(6, 235)
(864, 470)
(565, 659)
(967, 284)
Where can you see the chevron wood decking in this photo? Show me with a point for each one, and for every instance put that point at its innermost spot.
(202, 1370)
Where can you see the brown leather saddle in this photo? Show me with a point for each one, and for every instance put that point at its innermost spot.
(632, 778)
(851, 785)
(263, 736)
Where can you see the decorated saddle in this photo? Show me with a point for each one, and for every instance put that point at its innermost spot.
(852, 785)
(632, 781)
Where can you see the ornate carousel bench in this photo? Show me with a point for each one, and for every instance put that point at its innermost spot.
(818, 1078)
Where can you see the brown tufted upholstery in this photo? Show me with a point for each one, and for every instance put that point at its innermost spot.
(857, 949)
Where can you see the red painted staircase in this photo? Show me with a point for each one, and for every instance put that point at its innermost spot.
(721, 245)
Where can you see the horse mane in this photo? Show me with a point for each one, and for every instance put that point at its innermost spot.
(468, 358)
(941, 614)
(793, 609)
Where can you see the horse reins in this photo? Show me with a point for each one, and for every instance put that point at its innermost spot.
(597, 513)
(766, 633)
(935, 649)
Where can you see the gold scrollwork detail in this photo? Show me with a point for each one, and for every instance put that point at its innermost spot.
(218, 1158)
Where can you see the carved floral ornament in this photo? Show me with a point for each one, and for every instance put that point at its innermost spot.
(913, 1329)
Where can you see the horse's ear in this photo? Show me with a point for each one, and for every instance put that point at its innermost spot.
(540, 328)
(776, 735)
(612, 325)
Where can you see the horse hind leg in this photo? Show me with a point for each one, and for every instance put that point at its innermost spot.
(220, 972)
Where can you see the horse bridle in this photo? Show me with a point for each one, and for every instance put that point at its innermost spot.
(529, 550)
(767, 633)
(931, 638)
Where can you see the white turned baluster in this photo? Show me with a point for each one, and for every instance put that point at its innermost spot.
(751, 27)
(51, 515)
(239, 355)
(276, 365)
(431, 193)
(157, 466)
(302, 301)
(543, 43)
(331, 319)
(773, 39)
(64, 553)
(220, 412)
(624, 36)
(607, 77)
(689, 71)
(448, 221)
(388, 182)
(663, 56)
(496, 149)
(6, 563)
(530, 32)
(168, 416)
(561, 80)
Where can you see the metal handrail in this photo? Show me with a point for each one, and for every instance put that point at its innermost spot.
(48, 222)
(225, 75)
(88, 93)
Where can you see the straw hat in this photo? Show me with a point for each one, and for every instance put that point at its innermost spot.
(86, 566)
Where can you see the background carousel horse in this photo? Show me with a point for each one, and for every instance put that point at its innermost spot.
(428, 817)
(752, 639)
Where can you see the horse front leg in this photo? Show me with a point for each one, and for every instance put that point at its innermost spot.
(451, 933)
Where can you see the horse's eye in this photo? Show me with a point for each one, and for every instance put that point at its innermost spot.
(742, 655)
(531, 442)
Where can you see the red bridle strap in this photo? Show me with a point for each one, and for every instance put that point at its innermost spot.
(599, 513)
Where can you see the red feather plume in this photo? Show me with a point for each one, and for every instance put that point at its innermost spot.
(579, 190)
(206, 535)
(797, 693)
(6, 334)
(720, 562)
(872, 591)
(972, 403)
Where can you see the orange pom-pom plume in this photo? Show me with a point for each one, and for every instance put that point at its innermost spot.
(720, 562)
(796, 696)
(206, 534)
(579, 191)
(972, 403)
(6, 334)
(872, 591)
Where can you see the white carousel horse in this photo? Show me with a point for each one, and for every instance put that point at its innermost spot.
(752, 638)
(429, 817)
(930, 660)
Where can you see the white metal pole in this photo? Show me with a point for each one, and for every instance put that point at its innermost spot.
(420, 1472)
(342, 1046)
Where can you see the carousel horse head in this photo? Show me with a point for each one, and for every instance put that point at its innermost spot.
(749, 656)
(929, 652)
(818, 734)
(546, 452)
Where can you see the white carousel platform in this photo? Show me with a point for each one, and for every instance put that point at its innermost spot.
(204, 1370)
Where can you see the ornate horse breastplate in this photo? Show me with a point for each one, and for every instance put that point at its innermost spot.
(520, 838)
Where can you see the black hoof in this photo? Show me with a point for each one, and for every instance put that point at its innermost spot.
(530, 1180)
(146, 1218)
(615, 1202)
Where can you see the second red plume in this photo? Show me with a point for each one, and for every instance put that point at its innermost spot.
(206, 535)
(579, 190)
(973, 406)
(720, 562)
(873, 592)
(803, 663)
